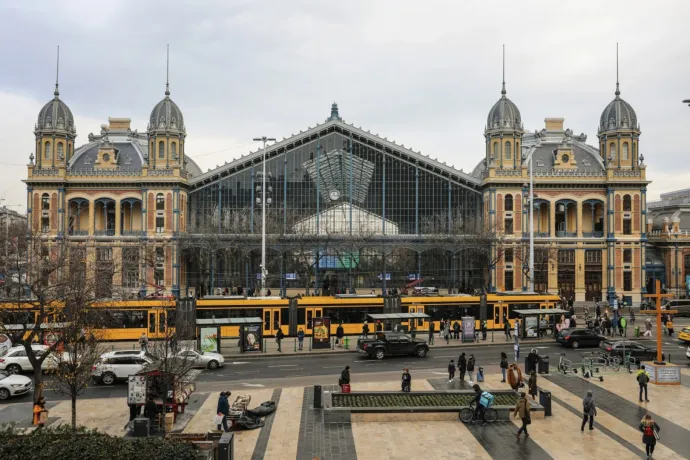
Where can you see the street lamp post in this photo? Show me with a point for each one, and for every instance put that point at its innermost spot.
(263, 139)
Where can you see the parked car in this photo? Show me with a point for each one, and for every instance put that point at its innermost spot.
(14, 385)
(687, 353)
(113, 368)
(203, 359)
(392, 343)
(577, 338)
(636, 350)
(15, 360)
(139, 353)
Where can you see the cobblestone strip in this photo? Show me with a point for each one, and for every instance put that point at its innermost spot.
(675, 437)
(498, 439)
(332, 441)
(265, 434)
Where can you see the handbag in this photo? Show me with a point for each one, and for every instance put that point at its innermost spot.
(218, 419)
(656, 434)
(528, 420)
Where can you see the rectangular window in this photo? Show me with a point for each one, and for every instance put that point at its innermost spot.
(45, 224)
(593, 256)
(627, 281)
(160, 224)
(508, 256)
(509, 281)
(509, 226)
(627, 227)
(627, 256)
(566, 256)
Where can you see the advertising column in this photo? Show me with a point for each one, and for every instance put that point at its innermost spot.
(321, 333)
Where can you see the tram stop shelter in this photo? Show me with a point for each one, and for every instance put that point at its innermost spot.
(394, 320)
(209, 333)
(530, 319)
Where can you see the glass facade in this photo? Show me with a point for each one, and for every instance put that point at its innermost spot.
(342, 213)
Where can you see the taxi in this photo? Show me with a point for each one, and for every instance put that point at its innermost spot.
(684, 334)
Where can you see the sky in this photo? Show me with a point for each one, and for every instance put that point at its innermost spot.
(424, 74)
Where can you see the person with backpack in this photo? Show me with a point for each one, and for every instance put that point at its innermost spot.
(589, 410)
(643, 380)
(365, 330)
(504, 365)
(470, 368)
(650, 433)
(462, 366)
(479, 409)
(451, 371)
(406, 380)
(522, 408)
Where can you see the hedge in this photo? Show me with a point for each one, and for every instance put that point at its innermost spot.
(374, 400)
(61, 443)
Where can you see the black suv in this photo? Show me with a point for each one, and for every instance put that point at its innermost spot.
(392, 343)
(577, 338)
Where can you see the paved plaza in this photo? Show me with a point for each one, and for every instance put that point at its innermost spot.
(297, 431)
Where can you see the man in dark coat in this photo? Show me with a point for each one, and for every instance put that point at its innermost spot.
(224, 410)
(339, 334)
(462, 366)
(344, 377)
(431, 332)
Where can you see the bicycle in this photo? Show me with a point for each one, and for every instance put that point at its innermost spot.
(466, 414)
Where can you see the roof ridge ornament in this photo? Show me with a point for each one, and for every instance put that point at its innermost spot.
(503, 85)
(618, 90)
(57, 74)
(167, 71)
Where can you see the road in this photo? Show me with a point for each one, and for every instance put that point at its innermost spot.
(296, 370)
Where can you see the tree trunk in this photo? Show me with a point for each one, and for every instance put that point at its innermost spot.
(74, 410)
(38, 383)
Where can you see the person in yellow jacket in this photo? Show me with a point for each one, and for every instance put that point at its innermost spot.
(38, 408)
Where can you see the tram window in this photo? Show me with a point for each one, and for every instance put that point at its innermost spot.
(284, 317)
(126, 319)
(497, 314)
(301, 315)
(171, 318)
(276, 319)
(152, 323)
(267, 320)
(161, 322)
(16, 318)
(309, 318)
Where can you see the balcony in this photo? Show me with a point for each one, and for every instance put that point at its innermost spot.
(74, 232)
(132, 233)
(564, 234)
(109, 232)
(542, 234)
(597, 234)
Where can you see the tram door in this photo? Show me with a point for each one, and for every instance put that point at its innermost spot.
(271, 321)
(156, 323)
(500, 310)
(419, 324)
(309, 318)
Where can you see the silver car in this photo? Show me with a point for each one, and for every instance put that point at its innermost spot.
(14, 385)
(204, 359)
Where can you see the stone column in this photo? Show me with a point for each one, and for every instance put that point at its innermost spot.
(92, 218)
(118, 217)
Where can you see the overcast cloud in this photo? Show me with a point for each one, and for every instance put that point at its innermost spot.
(424, 74)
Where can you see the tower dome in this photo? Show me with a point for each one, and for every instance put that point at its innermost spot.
(618, 114)
(166, 115)
(504, 114)
(56, 116)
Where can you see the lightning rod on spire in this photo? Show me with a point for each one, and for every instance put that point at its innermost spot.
(618, 91)
(57, 73)
(503, 87)
(167, 71)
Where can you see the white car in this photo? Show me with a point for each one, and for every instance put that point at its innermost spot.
(687, 353)
(135, 353)
(203, 359)
(113, 368)
(14, 385)
(15, 360)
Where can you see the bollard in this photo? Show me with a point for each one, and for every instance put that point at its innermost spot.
(295, 348)
(311, 339)
(317, 396)
(264, 346)
(332, 343)
(347, 342)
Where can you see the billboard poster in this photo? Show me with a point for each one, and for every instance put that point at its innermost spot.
(5, 342)
(136, 392)
(209, 339)
(251, 337)
(467, 328)
(321, 333)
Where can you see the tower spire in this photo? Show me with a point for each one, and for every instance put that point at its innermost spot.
(618, 90)
(57, 73)
(167, 71)
(503, 87)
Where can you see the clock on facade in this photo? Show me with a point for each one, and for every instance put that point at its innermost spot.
(565, 158)
(335, 195)
(106, 157)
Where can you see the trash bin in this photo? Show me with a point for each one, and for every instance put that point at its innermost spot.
(637, 331)
(226, 446)
(543, 364)
(141, 427)
(317, 396)
(480, 374)
(545, 401)
(346, 341)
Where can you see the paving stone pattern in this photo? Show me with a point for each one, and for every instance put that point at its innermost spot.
(265, 434)
(331, 441)
(673, 436)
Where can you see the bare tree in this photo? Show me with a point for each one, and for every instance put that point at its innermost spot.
(543, 257)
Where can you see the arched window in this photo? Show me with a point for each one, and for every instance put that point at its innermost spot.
(496, 150)
(508, 152)
(612, 151)
(626, 203)
(160, 202)
(509, 203)
(173, 150)
(624, 153)
(60, 152)
(45, 202)
(48, 151)
(161, 150)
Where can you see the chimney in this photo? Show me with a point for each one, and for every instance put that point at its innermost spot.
(554, 124)
(650, 225)
(676, 224)
(119, 124)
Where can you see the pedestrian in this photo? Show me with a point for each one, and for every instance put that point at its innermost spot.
(431, 332)
(39, 407)
(470, 368)
(522, 409)
(144, 342)
(589, 410)
(134, 411)
(339, 334)
(456, 330)
(379, 325)
(446, 333)
(300, 339)
(406, 380)
(532, 384)
(344, 377)
(643, 380)
(598, 310)
(514, 376)
(279, 338)
(451, 371)
(650, 433)
(462, 366)
(532, 360)
(365, 330)
(506, 327)
(484, 326)
(669, 325)
(479, 409)
(504, 365)
(648, 328)
(151, 412)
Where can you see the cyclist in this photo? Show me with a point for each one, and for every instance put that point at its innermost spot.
(479, 409)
